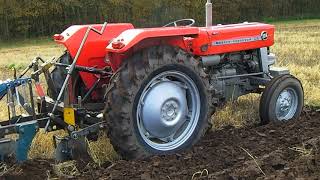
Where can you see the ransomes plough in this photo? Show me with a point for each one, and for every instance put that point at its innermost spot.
(153, 90)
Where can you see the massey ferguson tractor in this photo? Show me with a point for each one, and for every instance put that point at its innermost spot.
(153, 90)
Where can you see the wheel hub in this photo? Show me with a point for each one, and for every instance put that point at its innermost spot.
(285, 101)
(164, 109)
(286, 104)
(169, 110)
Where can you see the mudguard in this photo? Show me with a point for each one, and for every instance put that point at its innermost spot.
(130, 38)
(93, 53)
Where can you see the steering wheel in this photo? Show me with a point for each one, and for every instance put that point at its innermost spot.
(187, 23)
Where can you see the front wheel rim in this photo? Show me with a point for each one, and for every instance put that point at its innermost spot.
(287, 104)
(168, 110)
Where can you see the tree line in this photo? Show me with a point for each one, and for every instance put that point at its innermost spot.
(33, 18)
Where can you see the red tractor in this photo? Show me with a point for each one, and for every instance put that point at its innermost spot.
(158, 87)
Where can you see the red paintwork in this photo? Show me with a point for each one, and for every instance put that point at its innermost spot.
(93, 53)
(39, 90)
(119, 41)
(58, 37)
(204, 36)
(133, 36)
(236, 31)
(192, 39)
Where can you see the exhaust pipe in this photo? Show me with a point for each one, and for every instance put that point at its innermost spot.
(208, 13)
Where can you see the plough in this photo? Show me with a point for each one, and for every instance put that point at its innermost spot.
(47, 113)
(20, 96)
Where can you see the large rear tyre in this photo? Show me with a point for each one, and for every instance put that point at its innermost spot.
(282, 100)
(157, 103)
(58, 75)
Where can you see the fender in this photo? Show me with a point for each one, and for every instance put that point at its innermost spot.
(134, 39)
(130, 38)
(93, 52)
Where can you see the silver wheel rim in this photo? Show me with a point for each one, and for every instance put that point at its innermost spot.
(168, 110)
(287, 104)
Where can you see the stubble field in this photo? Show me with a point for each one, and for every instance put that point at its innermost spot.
(247, 148)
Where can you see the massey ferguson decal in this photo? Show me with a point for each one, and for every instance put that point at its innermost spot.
(262, 37)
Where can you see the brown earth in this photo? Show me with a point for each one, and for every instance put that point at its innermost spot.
(274, 151)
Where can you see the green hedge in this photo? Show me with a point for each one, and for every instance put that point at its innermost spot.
(32, 18)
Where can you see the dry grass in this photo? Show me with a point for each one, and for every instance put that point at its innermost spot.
(240, 113)
(303, 151)
(200, 175)
(19, 54)
(254, 159)
(4, 168)
(99, 155)
(66, 169)
(297, 47)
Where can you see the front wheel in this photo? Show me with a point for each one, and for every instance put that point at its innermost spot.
(159, 103)
(282, 100)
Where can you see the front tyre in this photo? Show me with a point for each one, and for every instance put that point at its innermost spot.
(282, 100)
(158, 103)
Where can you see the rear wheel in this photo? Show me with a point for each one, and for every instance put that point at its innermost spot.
(158, 103)
(58, 75)
(282, 100)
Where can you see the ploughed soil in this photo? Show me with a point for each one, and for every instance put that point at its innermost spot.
(273, 151)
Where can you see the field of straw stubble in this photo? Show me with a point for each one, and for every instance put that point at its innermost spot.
(297, 47)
